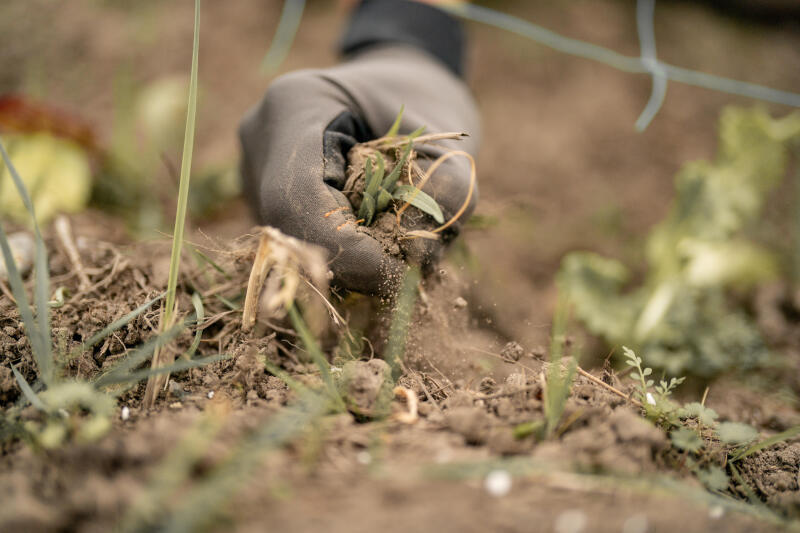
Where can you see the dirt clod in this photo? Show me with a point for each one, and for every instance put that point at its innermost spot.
(366, 386)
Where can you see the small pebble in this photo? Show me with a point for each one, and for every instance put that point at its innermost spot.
(716, 512)
(635, 524)
(364, 457)
(572, 521)
(176, 405)
(512, 352)
(125, 413)
(498, 483)
(210, 395)
(459, 303)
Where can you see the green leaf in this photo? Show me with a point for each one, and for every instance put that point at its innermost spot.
(199, 313)
(27, 390)
(117, 324)
(381, 170)
(384, 198)
(367, 209)
(370, 179)
(420, 200)
(703, 414)
(736, 433)
(686, 439)
(396, 125)
(771, 441)
(119, 373)
(185, 177)
(527, 429)
(145, 373)
(416, 133)
(38, 328)
(391, 180)
(715, 479)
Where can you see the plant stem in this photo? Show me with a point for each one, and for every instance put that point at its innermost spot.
(168, 315)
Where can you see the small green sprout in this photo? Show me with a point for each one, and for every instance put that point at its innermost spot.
(386, 162)
(381, 189)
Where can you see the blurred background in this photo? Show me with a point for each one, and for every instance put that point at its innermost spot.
(561, 167)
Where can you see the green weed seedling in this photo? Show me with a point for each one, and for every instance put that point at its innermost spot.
(391, 175)
(710, 449)
(381, 189)
(70, 408)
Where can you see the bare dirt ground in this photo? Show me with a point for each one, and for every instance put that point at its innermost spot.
(561, 168)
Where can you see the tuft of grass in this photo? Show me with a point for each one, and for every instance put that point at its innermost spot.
(558, 380)
(38, 325)
(398, 330)
(71, 408)
(168, 315)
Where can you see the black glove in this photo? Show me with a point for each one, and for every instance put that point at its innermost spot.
(295, 145)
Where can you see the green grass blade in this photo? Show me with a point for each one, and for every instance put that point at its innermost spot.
(168, 315)
(284, 376)
(212, 263)
(27, 390)
(393, 131)
(367, 209)
(200, 315)
(228, 303)
(391, 180)
(381, 170)
(766, 443)
(38, 331)
(145, 373)
(139, 356)
(384, 199)
(119, 323)
(416, 133)
(558, 383)
(421, 200)
(186, 168)
(398, 330)
(370, 178)
(313, 349)
(18, 289)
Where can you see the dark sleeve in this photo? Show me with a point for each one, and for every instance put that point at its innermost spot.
(404, 21)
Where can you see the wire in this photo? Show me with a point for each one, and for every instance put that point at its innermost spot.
(646, 64)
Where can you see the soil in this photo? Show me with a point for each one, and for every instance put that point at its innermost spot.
(572, 173)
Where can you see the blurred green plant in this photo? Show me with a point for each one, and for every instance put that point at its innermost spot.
(680, 317)
(67, 408)
(56, 171)
(707, 447)
(558, 376)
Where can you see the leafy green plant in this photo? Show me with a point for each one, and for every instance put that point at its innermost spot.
(707, 447)
(69, 408)
(381, 189)
(383, 164)
(680, 317)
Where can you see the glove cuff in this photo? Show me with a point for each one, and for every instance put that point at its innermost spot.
(402, 21)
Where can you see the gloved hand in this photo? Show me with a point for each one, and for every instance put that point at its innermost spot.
(295, 145)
